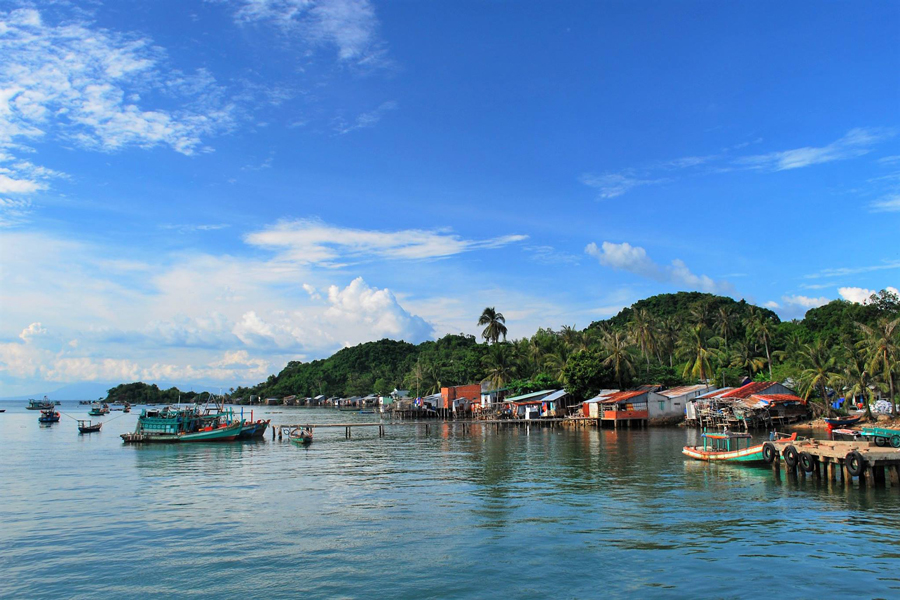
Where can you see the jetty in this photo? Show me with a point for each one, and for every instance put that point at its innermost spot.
(834, 460)
(283, 431)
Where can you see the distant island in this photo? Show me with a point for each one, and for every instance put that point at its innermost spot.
(668, 339)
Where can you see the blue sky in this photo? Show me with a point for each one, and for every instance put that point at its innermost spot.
(199, 191)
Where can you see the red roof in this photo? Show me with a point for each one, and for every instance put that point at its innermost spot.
(757, 387)
(622, 396)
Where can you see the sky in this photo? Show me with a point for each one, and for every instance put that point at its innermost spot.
(198, 191)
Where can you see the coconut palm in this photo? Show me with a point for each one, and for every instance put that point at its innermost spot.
(882, 346)
(496, 325)
(725, 322)
(667, 337)
(819, 371)
(643, 331)
(855, 377)
(617, 353)
(696, 348)
(498, 365)
(761, 326)
(701, 314)
(746, 357)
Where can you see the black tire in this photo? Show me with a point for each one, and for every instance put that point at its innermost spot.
(807, 462)
(791, 457)
(895, 441)
(855, 463)
(881, 442)
(769, 453)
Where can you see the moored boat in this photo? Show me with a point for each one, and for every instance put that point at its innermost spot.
(726, 447)
(49, 416)
(174, 424)
(302, 437)
(98, 409)
(842, 421)
(44, 404)
(88, 427)
(254, 429)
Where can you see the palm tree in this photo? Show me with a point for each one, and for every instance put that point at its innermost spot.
(883, 348)
(695, 347)
(818, 371)
(667, 337)
(643, 331)
(856, 379)
(745, 356)
(725, 321)
(496, 325)
(616, 350)
(761, 327)
(700, 313)
(498, 365)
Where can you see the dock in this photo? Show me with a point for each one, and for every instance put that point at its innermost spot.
(283, 431)
(834, 460)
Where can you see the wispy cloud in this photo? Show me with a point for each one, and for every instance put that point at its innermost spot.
(635, 259)
(186, 228)
(842, 271)
(805, 301)
(889, 203)
(348, 25)
(613, 185)
(854, 143)
(313, 242)
(366, 119)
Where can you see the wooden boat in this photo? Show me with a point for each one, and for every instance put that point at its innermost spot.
(726, 447)
(255, 429)
(302, 437)
(88, 427)
(44, 404)
(842, 421)
(222, 433)
(49, 416)
(2, 410)
(98, 409)
(184, 424)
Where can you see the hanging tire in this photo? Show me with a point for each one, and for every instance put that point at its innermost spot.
(769, 453)
(895, 441)
(791, 457)
(807, 462)
(855, 463)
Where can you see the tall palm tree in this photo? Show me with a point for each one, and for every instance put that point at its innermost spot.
(855, 377)
(725, 321)
(883, 348)
(496, 325)
(617, 353)
(498, 365)
(819, 371)
(643, 331)
(744, 356)
(696, 348)
(667, 337)
(701, 313)
(761, 327)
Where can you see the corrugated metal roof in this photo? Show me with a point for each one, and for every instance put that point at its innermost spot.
(555, 395)
(682, 390)
(530, 396)
(777, 398)
(622, 396)
(716, 393)
(748, 390)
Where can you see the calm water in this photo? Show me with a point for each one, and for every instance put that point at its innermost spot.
(463, 512)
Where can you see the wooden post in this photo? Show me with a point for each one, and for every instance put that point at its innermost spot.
(845, 474)
(776, 467)
(895, 476)
(879, 475)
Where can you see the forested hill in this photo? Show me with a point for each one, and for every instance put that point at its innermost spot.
(668, 339)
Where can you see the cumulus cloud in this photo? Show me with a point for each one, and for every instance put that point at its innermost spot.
(805, 301)
(634, 259)
(31, 331)
(313, 242)
(861, 295)
(772, 304)
(375, 311)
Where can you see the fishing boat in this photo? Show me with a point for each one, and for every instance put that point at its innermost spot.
(726, 447)
(254, 429)
(44, 404)
(99, 409)
(49, 416)
(2, 410)
(88, 427)
(842, 421)
(302, 437)
(175, 424)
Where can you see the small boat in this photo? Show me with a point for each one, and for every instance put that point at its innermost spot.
(44, 404)
(2, 410)
(49, 416)
(252, 430)
(302, 437)
(726, 447)
(99, 409)
(88, 427)
(842, 422)
(222, 433)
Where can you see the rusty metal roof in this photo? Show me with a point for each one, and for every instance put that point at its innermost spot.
(682, 390)
(750, 389)
(623, 396)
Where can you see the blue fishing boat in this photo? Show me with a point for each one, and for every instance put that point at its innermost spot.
(842, 421)
(49, 416)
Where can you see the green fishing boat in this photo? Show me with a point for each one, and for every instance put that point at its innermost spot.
(726, 447)
(176, 424)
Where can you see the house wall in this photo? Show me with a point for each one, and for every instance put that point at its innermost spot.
(660, 406)
(449, 394)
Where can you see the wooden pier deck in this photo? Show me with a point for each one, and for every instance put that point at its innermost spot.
(285, 430)
(843, 460)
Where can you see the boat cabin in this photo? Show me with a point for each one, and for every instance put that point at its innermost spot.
(726, 441)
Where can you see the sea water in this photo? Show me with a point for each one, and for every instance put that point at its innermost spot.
(460, 511)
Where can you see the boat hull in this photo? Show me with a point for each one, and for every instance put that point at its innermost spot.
(842, 422)
(753, 454)
(91, 429)
(221, 434)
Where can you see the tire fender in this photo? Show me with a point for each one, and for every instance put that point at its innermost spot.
(791, 457)
(855, 463)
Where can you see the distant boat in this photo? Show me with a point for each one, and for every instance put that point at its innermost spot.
(254, 430)
(88, 427)
(44, 404)
(49, 416)
(99, 409)
(726, 447)
(2, 410)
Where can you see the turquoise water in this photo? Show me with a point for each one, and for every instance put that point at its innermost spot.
(460, 512)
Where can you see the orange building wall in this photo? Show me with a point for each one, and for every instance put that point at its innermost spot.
(449, 394)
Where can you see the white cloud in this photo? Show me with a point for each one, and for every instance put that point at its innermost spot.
(805, 301)
(14, 212)
(308, 242)
(613, 185)
(634, 259)
(365, 120)
(889, 203)
(854, 143)
(843, 271)
(349, 25)
(772, 304)
(861, 295)
(312, 291)
(374, 311)
(31, 331)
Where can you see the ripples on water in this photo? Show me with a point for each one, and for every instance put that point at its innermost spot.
(464, 511)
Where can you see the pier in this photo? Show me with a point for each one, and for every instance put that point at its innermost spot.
(839, 460)
(283, 431)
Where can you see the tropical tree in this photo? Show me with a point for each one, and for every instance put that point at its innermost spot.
(855, 377)
(700, 313)
(496, 325)
(643, 331)
(746, 357)
(725, 322)
(696, 349)
(761, 327)
(667, 337)
(883, 348)
(498, 365)
(818, 362)
(617, 355)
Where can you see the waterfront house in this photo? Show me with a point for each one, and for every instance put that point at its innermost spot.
(591, 408)
(676, 401)
(491, 398)
(460, 398)
(701, 405)
(756, 387)
(629, 408)
(536, 404)
(273, 401)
